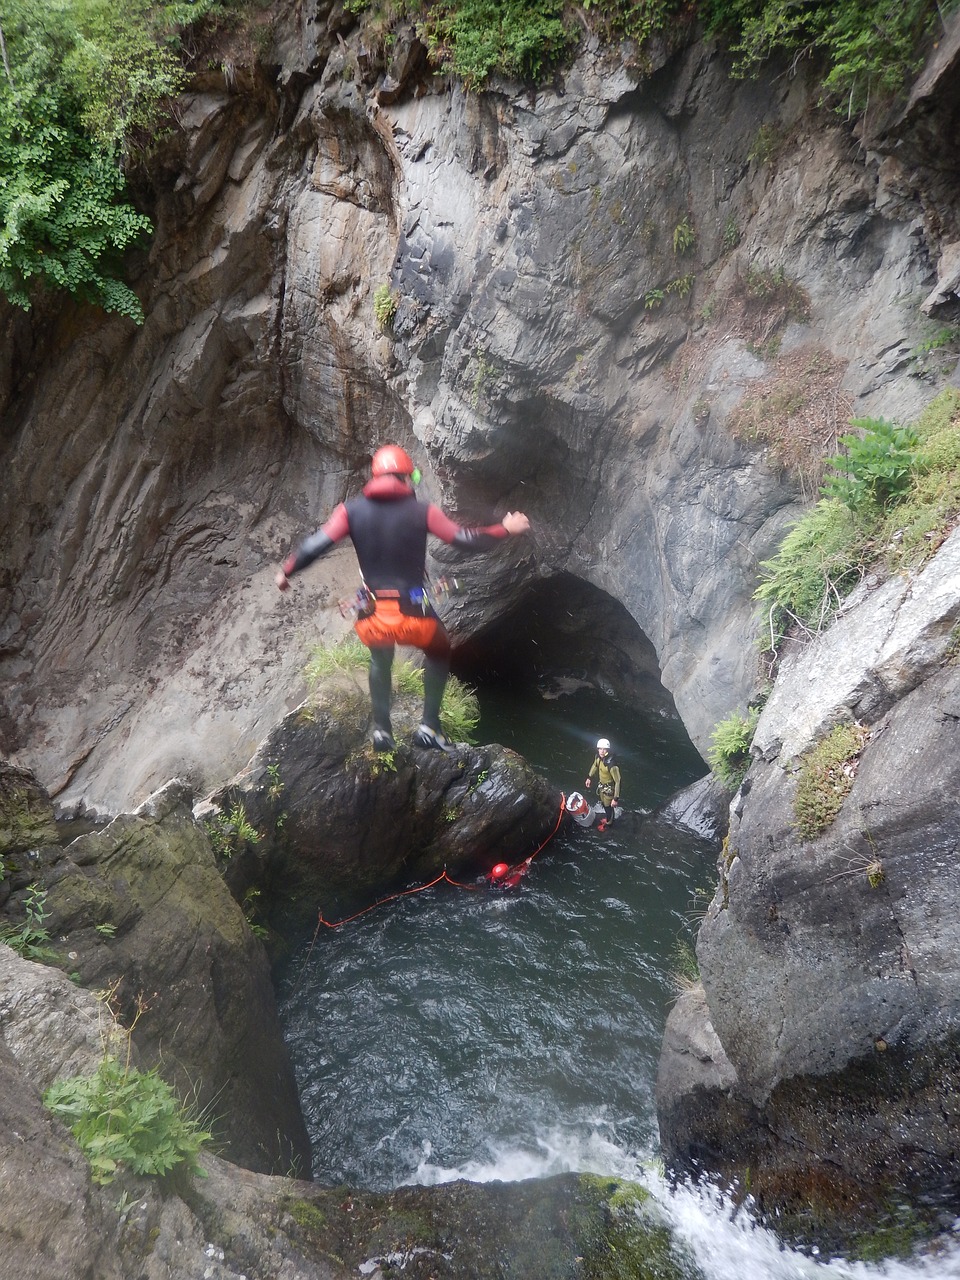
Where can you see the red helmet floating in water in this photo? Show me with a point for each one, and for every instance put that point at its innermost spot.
(391, 460)
(499, 871)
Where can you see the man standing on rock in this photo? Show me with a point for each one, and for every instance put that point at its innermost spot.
(388, 528)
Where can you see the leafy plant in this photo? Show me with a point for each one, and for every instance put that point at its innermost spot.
(729, 751)
(686, 966)
(681, 286)
(385, 303)
(249, 908)
(869, 48)
(684, 237)
(82, 79)
(229, 832)
(476, 38)
(878, 465)
(819, 561)
(326, 660)
(124, 1117)
(653, 298)
(826, 777)
(765, 145)
(459, 710)
(831, 548)
(730, 235)
(30, 938)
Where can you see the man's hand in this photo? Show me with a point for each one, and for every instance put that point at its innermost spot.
(515, 522)
(587, 784)
(282, 581)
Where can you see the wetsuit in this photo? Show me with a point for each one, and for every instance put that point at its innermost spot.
(608, 781)
(389, 529)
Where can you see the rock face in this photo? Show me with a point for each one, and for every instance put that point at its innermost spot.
(582, 284)
(140, 911)
(340, 822)
(822, 1050)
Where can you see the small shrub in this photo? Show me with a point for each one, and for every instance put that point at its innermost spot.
(385, 303)
(477, 38)
(766, 145)
(795, 413)
(229, 832)
(124, 1117)
(729, 752)
(730, 235)
(826, 775)
(30, 939)
(684, 237)
(347, 655)
(459, 711)
(878, 466)
(686, 966)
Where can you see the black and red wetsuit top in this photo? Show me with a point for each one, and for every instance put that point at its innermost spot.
(389, 529)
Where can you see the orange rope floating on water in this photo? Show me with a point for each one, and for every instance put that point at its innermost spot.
(518, 870)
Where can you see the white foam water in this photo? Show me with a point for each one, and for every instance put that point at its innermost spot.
(722, 1238)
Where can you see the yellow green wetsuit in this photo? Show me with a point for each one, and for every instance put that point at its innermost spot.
(608, 780)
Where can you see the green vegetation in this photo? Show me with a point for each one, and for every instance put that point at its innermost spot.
(729, 752)
(868, 48)
(385, 303)
(878, 465)
(124, 1117)
(684, 237)
(459, 711)
(825, 778)
(231, 831)
(891, 501)
(476, 38)
(686, 966)
(83, 84)
(31, 938)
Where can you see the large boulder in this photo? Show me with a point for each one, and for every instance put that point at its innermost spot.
(139, 910)
(336, 824)
(820, 1063)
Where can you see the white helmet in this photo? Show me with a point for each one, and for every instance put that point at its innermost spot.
(603, 744)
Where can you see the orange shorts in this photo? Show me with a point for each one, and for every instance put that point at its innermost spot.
(387, 626)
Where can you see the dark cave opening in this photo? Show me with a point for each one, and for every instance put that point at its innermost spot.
(567, 630)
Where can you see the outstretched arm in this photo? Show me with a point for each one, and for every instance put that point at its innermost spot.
(317, 545)
(481, 539)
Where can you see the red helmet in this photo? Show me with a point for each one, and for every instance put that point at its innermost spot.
(391, 460)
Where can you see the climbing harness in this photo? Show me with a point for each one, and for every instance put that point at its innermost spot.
(423, 599)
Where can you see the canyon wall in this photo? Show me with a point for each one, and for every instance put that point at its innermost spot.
(589, 281)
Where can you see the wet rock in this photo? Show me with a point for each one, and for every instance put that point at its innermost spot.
(830, 996)
(139, 910)
(340, 822)
(26, 813)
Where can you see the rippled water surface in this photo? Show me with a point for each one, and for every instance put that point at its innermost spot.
(450, 1028)
(478, 1034)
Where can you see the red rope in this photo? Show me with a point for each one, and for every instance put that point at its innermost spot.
(519, 868)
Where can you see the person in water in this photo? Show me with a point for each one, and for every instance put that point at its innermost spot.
(607, 772)
(389, 528)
